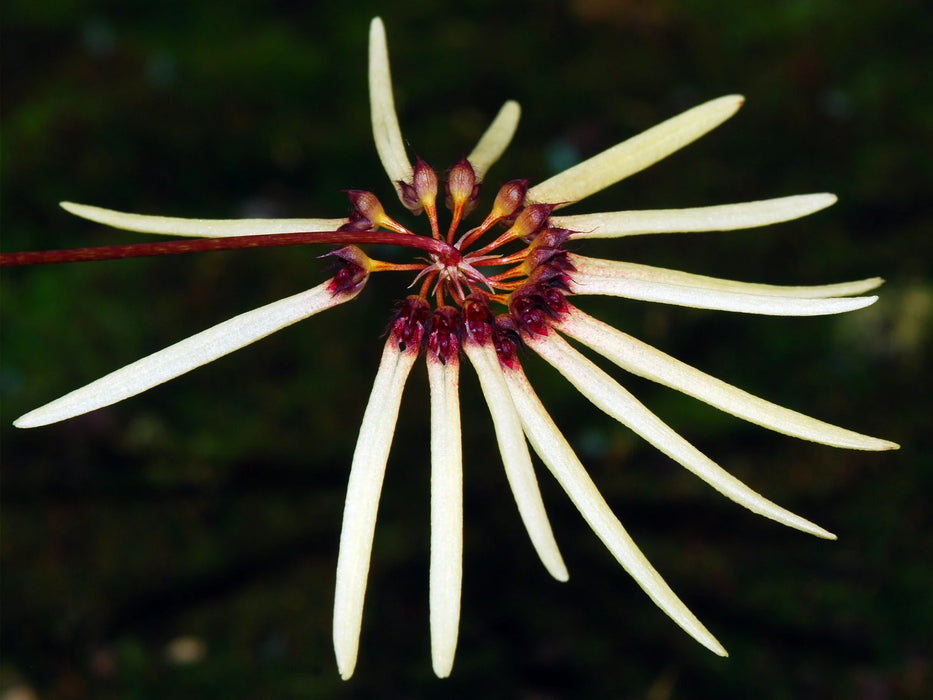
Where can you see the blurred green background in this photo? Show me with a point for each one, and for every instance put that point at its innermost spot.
(183, 543)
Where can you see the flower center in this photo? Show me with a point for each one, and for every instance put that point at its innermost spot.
(465, 277)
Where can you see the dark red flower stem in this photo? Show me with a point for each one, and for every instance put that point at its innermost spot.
(445, 252)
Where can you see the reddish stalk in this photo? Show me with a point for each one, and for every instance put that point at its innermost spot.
(444, 251)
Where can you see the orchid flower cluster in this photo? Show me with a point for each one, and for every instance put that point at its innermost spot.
(488, 294)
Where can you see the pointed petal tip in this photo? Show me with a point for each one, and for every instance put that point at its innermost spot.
(346, 649)
(730, 104)
(803, 525)
(442, 669)
(870, 283)
(76, 209)
(816, 201)
(823, 534)
(38, 418)
(871, 444)
(711, 643)
(857, 441)
(737, 100)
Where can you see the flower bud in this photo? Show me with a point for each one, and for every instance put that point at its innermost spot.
(550, 258)
(509, 199)
(422, 192)
(531, 220)
(367, 213)
(462, 188)
(425, 182)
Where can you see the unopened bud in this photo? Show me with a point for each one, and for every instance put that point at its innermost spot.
(367, 211)
(425, 182)
(509, 199)
(549, 258)
(546, 250)
(551, 237)
(462, 189)
(422, 192)
(531, 220)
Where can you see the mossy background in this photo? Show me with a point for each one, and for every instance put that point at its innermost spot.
(209, 509)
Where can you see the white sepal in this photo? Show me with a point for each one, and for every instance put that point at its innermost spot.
(646, 273)
(640, 358)
(723, 217)
(635, 154)
(363, 490)
(186, 355)
(495, 140)
(446, 572)
(200, 228)
(607, 395)
(386, 132)
(515, 457)
(559, 457)
(591, 278)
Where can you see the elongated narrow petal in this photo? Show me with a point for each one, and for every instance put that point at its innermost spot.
(557, 454)
(607, 395)
(363, 490)
(635, 154)
(446, 512)
(647, 273)
(640, 358)
(515, 456)
(186, 355)
(386, 131)
(723, 217)
(201, 228)
(709, 297)
(495, 140)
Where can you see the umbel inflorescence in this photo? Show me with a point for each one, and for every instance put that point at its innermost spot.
(487, 292)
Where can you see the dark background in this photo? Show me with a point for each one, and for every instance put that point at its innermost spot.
(209, 509)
